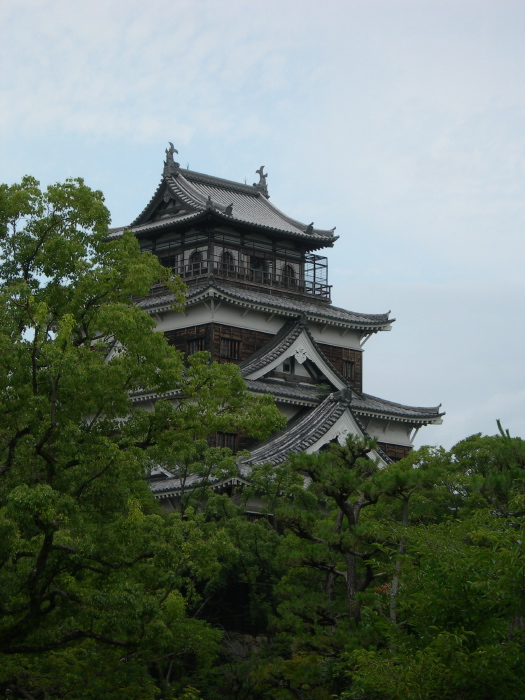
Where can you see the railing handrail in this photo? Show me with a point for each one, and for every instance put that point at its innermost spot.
(216, 267)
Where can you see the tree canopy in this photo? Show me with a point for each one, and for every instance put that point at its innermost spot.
(94, 579)
(358, 582)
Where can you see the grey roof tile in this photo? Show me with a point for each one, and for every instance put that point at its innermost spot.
(308, 394)
(274, 348)
(202, 193)
(313, 309)
(301, 433)
(365, 403)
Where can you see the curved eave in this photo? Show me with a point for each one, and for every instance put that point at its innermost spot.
(171, 487)
(164, 303)
(319, 318)
(150, 206)
(157, 227)
(280, 395)
(413, 419)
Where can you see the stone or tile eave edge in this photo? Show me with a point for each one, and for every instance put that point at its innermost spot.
(150, 205)
(202, 294)
(282, 398)
(327, 241)
(327, 413)
(169, 491)
(324, 233)
(152, 227)
(424, 420)
(311, 316)
(275, 347)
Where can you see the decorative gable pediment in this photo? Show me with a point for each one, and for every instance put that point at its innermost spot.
(168, 207)
(294, 343)
(329, 421)
(166, 203)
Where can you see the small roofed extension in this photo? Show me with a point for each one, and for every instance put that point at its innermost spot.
(258, 295)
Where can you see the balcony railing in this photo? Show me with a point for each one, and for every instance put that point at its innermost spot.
(260, 272)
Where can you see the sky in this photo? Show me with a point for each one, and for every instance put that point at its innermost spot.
(400, 122)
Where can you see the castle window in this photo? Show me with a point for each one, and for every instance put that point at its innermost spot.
(289, 276)
(196, 262)
(289, 365)
(348, 369)
(227, 262)
(195, 345)
(259, 269)
(230, 348)
(228, 440)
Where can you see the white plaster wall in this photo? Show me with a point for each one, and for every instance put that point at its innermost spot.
(289, 411)
(227, 314)
(339, 337)
(346, 425)
(389, 431)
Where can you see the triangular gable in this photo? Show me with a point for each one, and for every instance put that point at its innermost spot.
(297, 343)
(169, 200)
(331, 420)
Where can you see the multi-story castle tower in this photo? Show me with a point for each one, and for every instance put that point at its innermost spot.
(258, 296)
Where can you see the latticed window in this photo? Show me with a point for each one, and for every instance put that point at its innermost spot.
(195, 345)
(348, 369)
(230, 348)
(227, 262)
(196, 262)
(226, 440)
(289, 276)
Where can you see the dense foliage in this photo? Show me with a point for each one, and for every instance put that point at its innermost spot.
(358, 582)
(98, 589)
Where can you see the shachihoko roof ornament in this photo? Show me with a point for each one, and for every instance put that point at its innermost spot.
(170, 165)
(261, 185)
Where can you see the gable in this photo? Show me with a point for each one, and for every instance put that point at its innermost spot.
(305, 354)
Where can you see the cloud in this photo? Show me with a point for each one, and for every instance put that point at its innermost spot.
(401, 123)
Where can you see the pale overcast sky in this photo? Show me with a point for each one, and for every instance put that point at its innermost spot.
(401, 123)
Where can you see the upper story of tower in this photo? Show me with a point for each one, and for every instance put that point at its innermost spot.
(203, 226)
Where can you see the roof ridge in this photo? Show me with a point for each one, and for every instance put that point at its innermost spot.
(289, 332)
(219, 181)
(285, 443)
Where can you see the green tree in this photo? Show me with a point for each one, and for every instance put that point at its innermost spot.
(458, 629)
(98, 589)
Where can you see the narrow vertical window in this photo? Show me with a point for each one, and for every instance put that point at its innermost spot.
(348, 369)
(230, 348)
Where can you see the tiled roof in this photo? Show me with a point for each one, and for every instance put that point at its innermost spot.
(311, 307)
(367, 404)
(274, 348)
(274, 303)
(306, 394)
(299, 435)
(228, 200)
(172, 486)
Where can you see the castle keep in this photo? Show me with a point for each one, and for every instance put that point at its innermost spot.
(259, 296)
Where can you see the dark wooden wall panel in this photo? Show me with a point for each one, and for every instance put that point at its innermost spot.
(211, 334)
(395, 452)
(338, 356)
(249, 341)
(182, 337)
